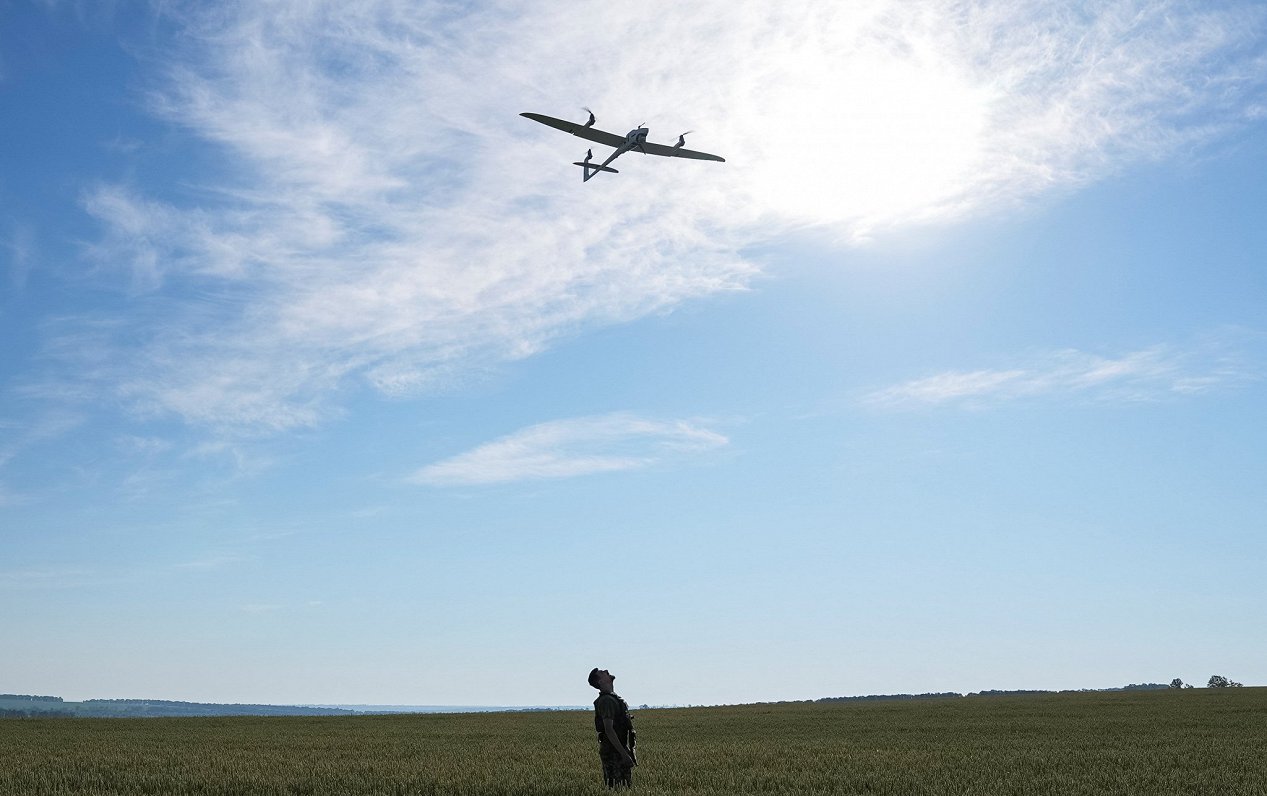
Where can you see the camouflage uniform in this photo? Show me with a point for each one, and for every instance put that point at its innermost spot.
(611, 706)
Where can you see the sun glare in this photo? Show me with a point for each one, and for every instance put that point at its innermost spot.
(864, 138)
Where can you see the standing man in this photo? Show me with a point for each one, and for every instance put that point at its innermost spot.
(616, 736)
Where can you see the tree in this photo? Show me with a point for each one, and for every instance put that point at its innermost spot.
(1176, 683)
(1219, 681)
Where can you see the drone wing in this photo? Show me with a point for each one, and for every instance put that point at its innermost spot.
(579, 130)
(678, 152)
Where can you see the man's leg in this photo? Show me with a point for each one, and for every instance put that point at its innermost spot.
(615, 773)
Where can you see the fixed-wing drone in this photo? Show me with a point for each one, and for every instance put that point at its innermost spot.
(634, 140)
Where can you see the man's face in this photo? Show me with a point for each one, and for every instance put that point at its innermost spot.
(605, 678)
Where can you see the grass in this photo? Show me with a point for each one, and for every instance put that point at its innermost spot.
(1199, 741)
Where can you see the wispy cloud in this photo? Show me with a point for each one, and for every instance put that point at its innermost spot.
(40, 578)
(16, 436)
(211, 562)
(272, 608)
(260, 608)
(572, 447)
(71, 576)
(20, 245)
(1145, 375)
(385, 218)
(8, 497)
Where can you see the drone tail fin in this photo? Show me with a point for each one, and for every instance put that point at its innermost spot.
(593, 168)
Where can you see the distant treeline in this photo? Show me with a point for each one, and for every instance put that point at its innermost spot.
(30, 698)
(167, 707)
(884, 697)
(27, 706)
(1018, 692)
(19, 713)
(22, 706)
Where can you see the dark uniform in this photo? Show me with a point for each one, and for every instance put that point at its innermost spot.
(610, 706)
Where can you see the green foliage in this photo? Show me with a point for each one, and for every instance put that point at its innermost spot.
(1140, 742)
(127, 708)
(1219, 681)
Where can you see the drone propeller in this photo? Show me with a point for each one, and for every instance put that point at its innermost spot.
(681, 139)
(590, 123)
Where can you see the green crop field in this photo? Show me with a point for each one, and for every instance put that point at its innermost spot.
(1198, 741)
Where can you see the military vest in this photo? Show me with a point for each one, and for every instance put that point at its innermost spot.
(622, 722)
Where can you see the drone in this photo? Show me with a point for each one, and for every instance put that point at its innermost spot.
(633, 141)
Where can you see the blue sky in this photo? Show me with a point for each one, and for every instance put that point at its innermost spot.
(325, 378)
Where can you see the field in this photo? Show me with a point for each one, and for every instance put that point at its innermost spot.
(1199, 741)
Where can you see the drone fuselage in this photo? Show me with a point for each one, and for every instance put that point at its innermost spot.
(635, 139)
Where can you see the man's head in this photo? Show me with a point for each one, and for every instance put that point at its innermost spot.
(601, 679)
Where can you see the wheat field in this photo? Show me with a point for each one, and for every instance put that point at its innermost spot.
(1198, 741)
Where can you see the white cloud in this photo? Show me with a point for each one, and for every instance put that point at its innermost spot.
(29, 434)
(572, 447)
(260, 608)
(211, 562)
(17, 436)
(142, 446)
(8, 497)
(272, 608)
(20, 244)
(384, 217)
(1145, 375)
(48, 578)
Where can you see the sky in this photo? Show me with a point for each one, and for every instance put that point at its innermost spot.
(325, 378)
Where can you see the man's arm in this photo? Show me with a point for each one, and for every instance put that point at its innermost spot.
(609, 727)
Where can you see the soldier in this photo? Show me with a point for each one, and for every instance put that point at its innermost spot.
(616, 736)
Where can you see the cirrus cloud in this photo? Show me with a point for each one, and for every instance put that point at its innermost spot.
(381, 216)
(570, 448)
(1145, 375)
